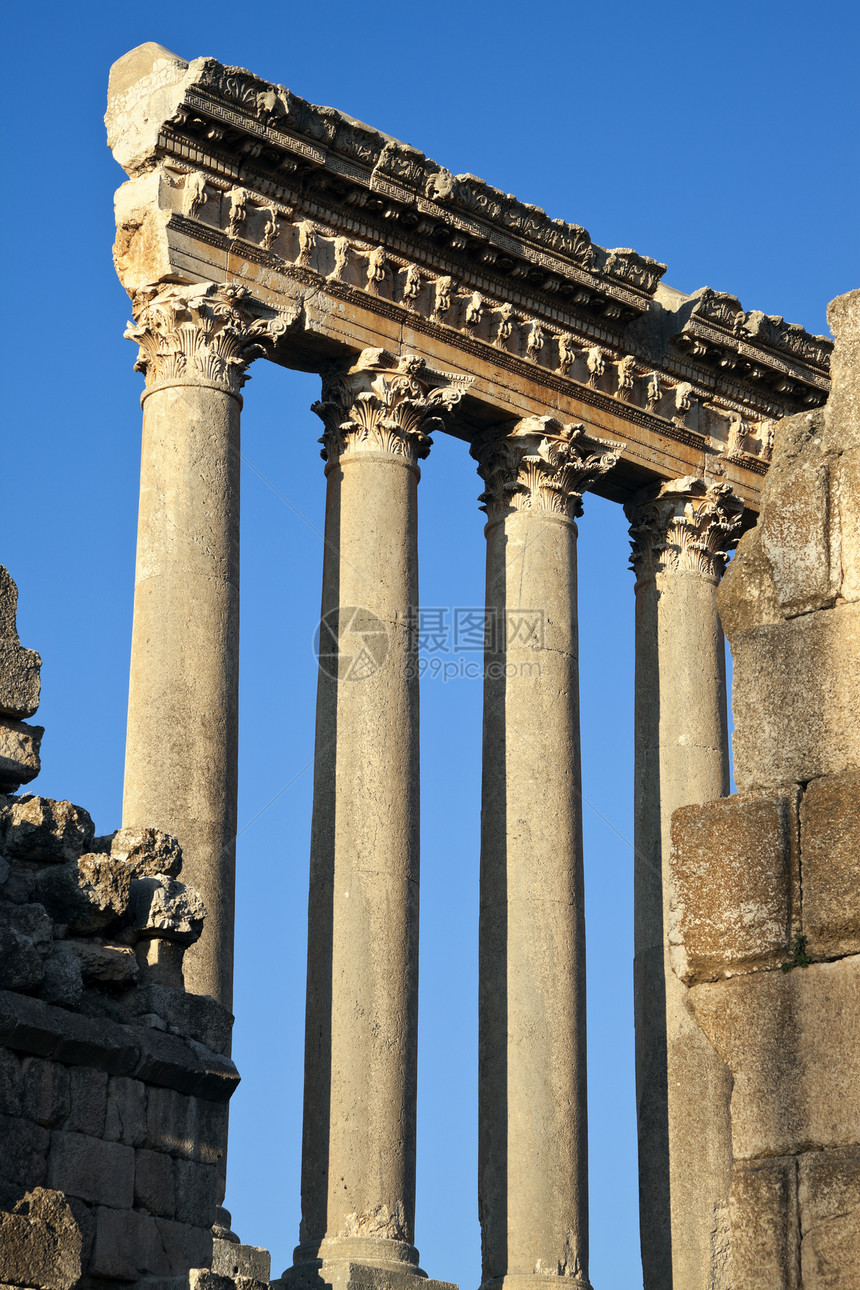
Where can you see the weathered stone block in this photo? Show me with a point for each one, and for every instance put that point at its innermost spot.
(163, 907)
(87, 895)
(127, 1244)
(829, 1196)
(32, 1026)
(40, 829)
(843, 406)
(147, 851)
(62, 982)
(185, 1246)
(21, 965)
(19, 679)
(185, 1065)
(196, 1192)
(735, 886)
(795, 534)
(88, 1101)
(191, 1127)
(795, 697)
(830, 850)
(11, 1083)
(845, 503)
(765, 1239)
(126, 1111)
(24, 1153)
(91, 1169)
(230, 1259)
(105, 964)
(195, 1015)
(31, 921)
(20, 744)
(792, 1042)
(41, 1242)
(154, 1186)
(46, 1096)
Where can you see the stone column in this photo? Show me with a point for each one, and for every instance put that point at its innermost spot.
(180, 772)
(532, 1168)
(358, 1159)
(681, 533)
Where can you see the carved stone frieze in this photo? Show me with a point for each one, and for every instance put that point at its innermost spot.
(384, 404)
(538, 464)
(200, 333)
(690, 525)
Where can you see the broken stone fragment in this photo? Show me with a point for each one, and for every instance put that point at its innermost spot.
(41, 830)
(87, 895)
(102, 963)
(62, 982)
(19, 679)
(41, 1242)
(147, 851)
(19, 753)
(21, 964)
(163, 907)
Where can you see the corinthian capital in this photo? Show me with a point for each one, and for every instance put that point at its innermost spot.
(384, 404)
(688, 525)
(538, 464)
(198, 333)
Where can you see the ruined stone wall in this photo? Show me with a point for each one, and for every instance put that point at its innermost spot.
(765, 923)
(113, 1082)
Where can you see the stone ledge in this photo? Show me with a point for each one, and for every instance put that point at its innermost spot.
(45, 1030)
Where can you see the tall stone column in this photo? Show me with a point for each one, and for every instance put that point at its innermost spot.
(358, 1158)
(532, 1167)
(180, 772)
(681, 533)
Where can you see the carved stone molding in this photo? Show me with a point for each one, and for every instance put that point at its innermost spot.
(384, 404)
(198, 333)
(538, 464)
(690, 525)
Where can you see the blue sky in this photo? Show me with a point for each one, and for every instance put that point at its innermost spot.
(721, 139)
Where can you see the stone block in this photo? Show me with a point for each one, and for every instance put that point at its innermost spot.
(11, 1082)
(30, 920)
(62, 982)
(33, 1026)
(843, 406)
(154, 1184)
(230, 1259)
(24, 1153)
(792, 1042)
(41, 1242)
(765, 1239)
(21, 965)
(795, 534)
(163, 907)
(19, 679)
(87, 895)
(126, 1111)
(185, 1065)
(88, 1101)
(45, 1097)
(147, 852)
(196, 1015)
(161, 962)
(127, 1244)
(191, 1127)
(40, 829)
(91, 1169)
(796, 693)
(104, 964)
(735, 886)
(845, 504)
(829, 1196)
(185, 1246)
(830, 851)
(196, 1192)
(20, 745)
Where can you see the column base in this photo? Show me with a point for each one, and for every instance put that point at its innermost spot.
(357, 1274)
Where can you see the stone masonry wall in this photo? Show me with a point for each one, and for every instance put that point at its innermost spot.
(765, 923)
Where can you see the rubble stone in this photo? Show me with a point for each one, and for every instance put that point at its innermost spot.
(41, 1242)
(163, 907)
(148, 852)
(21, 964)
(39, 829)
(20, 744)
(87, 895)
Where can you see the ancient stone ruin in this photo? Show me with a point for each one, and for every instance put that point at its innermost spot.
(254, 224)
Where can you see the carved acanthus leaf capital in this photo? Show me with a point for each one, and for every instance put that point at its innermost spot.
(386, 404)
(690, 525)
(199, 332)
(538, 464)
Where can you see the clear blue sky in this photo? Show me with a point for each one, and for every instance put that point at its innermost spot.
(721, 139)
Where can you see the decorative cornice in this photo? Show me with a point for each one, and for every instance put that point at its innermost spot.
(538, 464)
(384, 404)
(199, 334)
(690, 525)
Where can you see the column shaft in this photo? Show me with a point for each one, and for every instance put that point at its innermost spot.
(533, 1159)
(681, 758)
